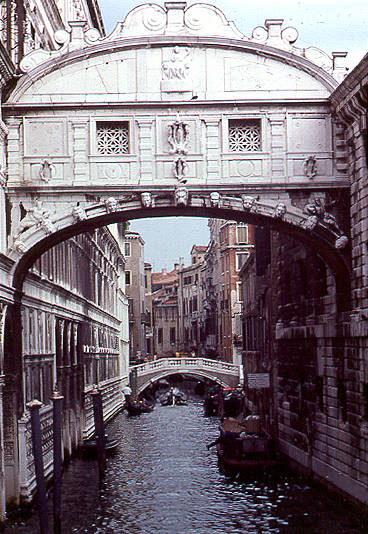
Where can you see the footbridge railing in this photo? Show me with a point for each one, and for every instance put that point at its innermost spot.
(224, 373)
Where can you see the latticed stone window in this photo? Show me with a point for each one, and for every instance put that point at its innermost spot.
(244, 135)
(113, 137)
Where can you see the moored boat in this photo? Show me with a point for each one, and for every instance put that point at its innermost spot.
(242, 446)
(138, 407)
(89, 446)
(174, 397)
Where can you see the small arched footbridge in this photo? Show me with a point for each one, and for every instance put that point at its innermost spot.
(223, 373)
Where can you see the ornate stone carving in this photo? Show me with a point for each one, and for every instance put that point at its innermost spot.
(36, 215)
(79, 213)
(215, 198)
(249, 203)
(181, 196)
(147, 200)
(111, 204)
(317, 214)
(310, 167)
(180, 167)
(47, 170)
(177, 67)
(279, 211)
(178, 137)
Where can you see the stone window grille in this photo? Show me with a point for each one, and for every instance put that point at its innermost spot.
(244, 135)
(113, 137)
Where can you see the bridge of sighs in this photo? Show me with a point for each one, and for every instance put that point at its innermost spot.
(179, 113)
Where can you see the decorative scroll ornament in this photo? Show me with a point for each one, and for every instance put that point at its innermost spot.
(79, 213)
(147, 200)
(310, 167)
(36, 215)
(215, 198)
(47, 170)
(111, 204)
(249, 203)
(181, 196)
(317, 214)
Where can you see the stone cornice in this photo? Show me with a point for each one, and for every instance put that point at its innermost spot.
(356, 82)
(32, 106)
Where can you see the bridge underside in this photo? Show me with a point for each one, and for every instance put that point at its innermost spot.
(223, 379)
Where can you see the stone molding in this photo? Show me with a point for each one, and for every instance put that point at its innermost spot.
(150, 21)
(45, 220)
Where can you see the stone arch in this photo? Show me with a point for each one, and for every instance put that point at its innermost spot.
(326, 239)
(199, 374)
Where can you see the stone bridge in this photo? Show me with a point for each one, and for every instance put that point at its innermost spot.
(223, 373)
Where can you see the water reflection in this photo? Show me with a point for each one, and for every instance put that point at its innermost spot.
(164, 481)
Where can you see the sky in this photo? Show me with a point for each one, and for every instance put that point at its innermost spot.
(331, 25)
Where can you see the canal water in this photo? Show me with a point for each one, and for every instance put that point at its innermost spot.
(163, 480)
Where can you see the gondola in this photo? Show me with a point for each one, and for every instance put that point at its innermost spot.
(174, 397)
(138, 407)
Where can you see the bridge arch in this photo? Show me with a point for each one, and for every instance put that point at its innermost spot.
(308, 228)
(223, 373)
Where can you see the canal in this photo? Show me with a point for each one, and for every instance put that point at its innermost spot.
(163, 480)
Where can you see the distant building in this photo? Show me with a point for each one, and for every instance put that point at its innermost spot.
(190, 303)
(165, 312)
(149, 314)
(231, 244)
(135, 289)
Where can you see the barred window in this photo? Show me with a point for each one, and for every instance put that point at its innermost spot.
(113, 137)
(244, 135)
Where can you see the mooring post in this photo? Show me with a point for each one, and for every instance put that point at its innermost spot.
(99, 429)
(34, 408)
(57, 400)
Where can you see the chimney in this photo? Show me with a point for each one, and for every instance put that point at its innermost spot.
(164, 271)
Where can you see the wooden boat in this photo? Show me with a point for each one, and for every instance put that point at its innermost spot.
(138, 407)
(244, 447)
(89, 447)
(174, 397)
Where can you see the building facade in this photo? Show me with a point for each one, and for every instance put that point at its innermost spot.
(231, 244)
(135, 285)
(74, 311)
(165, 312)
(129, 125)
(190, 303)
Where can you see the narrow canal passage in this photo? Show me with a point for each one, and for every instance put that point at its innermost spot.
(164, 481)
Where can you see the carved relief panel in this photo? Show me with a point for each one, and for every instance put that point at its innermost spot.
(309, 147)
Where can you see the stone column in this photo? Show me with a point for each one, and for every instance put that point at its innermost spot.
(145, 150)
(80, 156)
(3, 134)
(213, 165)
(278, 146)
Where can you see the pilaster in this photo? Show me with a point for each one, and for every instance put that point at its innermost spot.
(80, 144)
(15, 171)
(145, 149)
(213, 166)
(278, 147)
